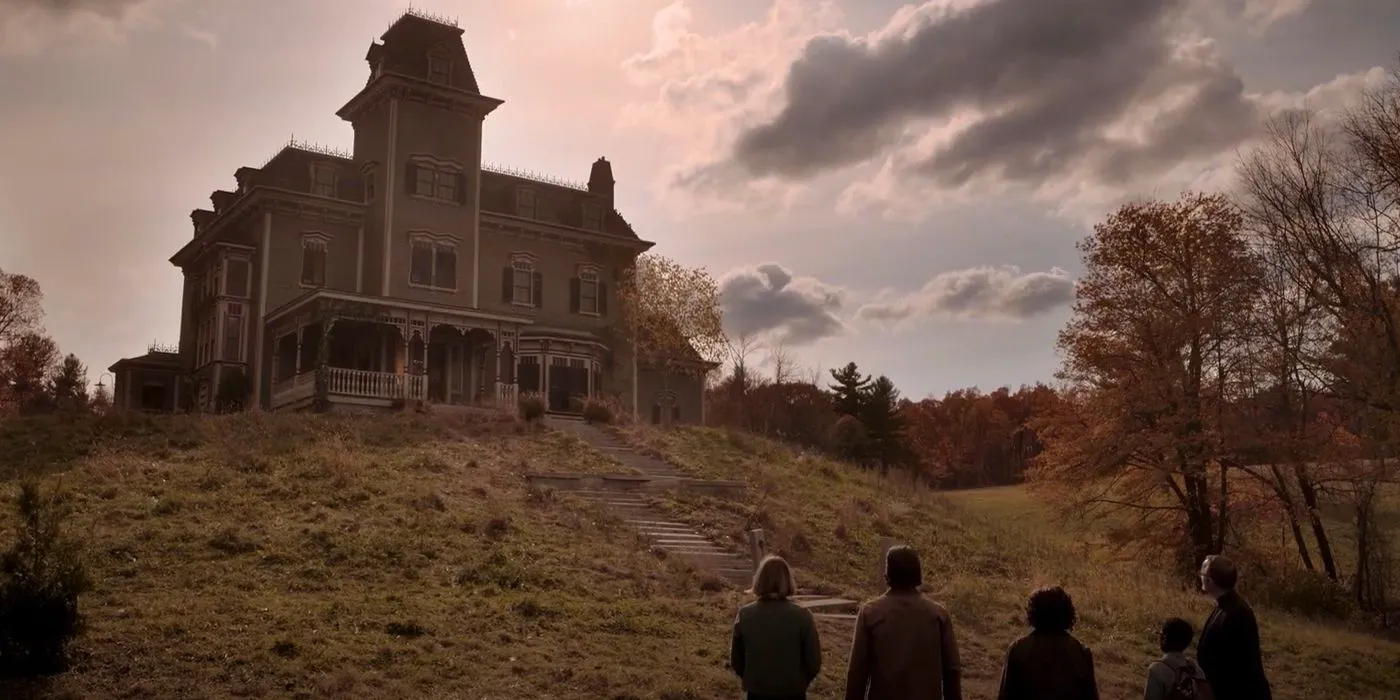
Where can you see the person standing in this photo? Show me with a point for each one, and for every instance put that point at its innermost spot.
(1175, 676)
(1228, 650)
(774, 648)
(904, 647)
(1049, 663)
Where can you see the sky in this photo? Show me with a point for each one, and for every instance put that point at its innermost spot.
(896, 184)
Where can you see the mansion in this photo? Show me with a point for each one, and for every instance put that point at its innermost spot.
(404, 271)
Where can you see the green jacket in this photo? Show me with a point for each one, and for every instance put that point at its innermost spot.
(775, 648)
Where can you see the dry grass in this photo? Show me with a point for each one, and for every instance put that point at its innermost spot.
(404, 557)
(364, 557)
(983, 552)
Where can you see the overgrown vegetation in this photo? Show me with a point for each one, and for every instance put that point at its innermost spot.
(597, 411)
(532, 406)
(41, 577)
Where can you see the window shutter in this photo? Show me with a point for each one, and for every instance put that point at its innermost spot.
(410, 181)
(461, 188)
(508, 284)
(539, 290)
(602, 298)
(675, 413)
(575, 292)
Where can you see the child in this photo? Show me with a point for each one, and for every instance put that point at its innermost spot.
(1176, 676)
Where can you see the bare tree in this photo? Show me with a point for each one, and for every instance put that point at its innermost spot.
(781, 359)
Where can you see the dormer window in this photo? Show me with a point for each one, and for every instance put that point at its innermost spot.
(323, 180)
(525, 204)
(593, 216)
(440, 70)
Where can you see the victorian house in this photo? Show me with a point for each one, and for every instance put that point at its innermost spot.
(406, 270)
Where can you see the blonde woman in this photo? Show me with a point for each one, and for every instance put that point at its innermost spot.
(775, 649)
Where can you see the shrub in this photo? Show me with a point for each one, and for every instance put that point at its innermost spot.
(597, 411)
(41, 578)
(849, 438)
(531, 406)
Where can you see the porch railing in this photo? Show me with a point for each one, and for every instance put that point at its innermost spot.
(507, 395)
(375, 385)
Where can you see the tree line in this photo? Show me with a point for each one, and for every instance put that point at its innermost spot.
(34, 377)
(965, 439)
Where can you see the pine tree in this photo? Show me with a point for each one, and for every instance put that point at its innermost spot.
(68, 385)
(884, 425)
(850, 390)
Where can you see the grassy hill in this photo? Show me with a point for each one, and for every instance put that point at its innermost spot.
(372, 557)
(984, 551)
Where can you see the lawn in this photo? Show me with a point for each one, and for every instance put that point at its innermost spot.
(983, 552)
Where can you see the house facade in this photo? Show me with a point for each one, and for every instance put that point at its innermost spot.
(405, 270)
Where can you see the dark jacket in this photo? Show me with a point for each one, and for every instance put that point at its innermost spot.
(1048, 666)
(1228, 651)
(775, 648)
(904, 649)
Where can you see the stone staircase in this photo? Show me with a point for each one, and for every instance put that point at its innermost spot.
(627, 496)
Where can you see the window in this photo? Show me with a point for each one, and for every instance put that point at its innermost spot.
(525, 203)
(592, 216)
(323, 180)
(586, 295)
(236, 280)
(233, 333)
(433, 263)
(313, 259)
(520, 284)
(440, 69)
(441, 182)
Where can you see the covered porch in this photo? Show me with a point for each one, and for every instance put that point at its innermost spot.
(334, 355)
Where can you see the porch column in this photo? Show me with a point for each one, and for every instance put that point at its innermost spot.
(301, 330)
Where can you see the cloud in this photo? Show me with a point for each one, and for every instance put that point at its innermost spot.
(977, 293)
(1071, 101)
(29, 26)
(705, 89)
(767, 300)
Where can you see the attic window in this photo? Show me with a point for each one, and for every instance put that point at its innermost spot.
(592, 216)
(525, 203)
(323, 180)
(439, 70)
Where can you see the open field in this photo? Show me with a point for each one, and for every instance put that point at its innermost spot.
(983, 552)
(400, 557)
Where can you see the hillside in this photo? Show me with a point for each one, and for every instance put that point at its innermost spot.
(984, 551)
(373, 557)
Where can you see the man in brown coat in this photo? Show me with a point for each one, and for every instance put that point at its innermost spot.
(904, 647)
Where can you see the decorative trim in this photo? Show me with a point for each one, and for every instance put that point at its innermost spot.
(437, 163)
(524, 256)
(294, 306)
(566, 236)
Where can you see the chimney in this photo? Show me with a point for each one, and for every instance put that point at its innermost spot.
(600, 180)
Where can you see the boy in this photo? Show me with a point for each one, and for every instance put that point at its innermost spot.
(1176, 676)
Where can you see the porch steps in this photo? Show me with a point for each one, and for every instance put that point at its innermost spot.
(677, 539)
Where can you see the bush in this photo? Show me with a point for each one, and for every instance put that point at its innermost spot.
(41, 578)
(849, 438)
(531, 406)
(597, 411)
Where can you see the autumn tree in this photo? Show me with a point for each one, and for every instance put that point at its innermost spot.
(21, 306)
(26, 362)
(1322, 196)
(1149, 354)
(671, 316)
